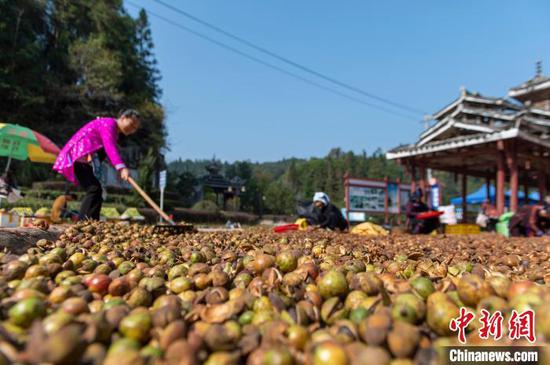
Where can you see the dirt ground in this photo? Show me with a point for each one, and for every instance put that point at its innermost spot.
(18, 240)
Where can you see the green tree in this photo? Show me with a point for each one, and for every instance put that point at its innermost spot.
(146, 169)
(279, 199)
(283, 182)
(183, 183)
(64, 62)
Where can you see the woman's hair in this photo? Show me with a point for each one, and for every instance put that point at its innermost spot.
(130, 113)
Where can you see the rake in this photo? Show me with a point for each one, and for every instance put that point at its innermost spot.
(172, 227)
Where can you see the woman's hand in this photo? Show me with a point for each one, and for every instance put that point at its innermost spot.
(124, 174)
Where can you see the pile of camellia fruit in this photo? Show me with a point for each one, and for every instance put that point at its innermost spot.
(121, 294)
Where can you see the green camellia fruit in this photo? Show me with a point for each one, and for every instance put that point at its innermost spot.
(333, 284)
(26, 311)
(422, 286)
(137, 326)
(286, 261)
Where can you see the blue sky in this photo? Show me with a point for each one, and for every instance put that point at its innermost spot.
(416, 53)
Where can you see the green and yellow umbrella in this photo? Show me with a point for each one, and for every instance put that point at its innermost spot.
(22, 143)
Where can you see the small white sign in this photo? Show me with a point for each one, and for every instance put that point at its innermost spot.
(162, 179)
(355, 216)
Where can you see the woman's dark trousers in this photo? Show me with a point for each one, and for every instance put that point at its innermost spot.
(91, 204)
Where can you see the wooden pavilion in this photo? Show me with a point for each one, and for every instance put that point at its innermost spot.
(502, 139)
(219, 184)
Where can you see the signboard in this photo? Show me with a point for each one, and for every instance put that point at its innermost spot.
(376, 196)
(367, 199)
(162, 185)
(435, 196)
(162, 179)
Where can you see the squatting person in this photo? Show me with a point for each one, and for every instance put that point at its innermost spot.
(329, 216)
(80, 159)
(414, 208)
(531, 220)
(60, 208)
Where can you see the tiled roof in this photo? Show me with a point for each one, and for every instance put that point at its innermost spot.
(537, 80)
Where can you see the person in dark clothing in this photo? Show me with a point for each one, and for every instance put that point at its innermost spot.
(530, 221)
(415, 206)
(8, 187)
(308, 211)
(90, 207)
(329, 216)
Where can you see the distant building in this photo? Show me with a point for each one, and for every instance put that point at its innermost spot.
(493, 138)
(223, 188)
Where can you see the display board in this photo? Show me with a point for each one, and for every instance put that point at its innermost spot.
(367, 199)
(376, 196)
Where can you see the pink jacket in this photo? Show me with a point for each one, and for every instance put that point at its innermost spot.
(100, 132)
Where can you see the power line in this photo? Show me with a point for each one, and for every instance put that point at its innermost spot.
(272, 66)
(289, 61)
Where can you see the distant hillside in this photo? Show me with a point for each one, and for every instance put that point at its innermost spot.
(275, 187)
(284, 182)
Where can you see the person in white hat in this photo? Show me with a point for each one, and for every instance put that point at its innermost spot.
(330, 217)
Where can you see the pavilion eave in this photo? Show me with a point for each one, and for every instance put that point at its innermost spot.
(502, 139)
(519, 92)
(451, 144)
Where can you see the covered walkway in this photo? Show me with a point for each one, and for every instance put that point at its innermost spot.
(504, 141)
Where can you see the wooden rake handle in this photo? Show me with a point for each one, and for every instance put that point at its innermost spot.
(150, 201)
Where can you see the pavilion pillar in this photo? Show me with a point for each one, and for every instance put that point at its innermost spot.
(398, 202)
(526, 194)
(422, 183)
(500, 178)
(464, 202)
(412, 172)
(386, 202)
(542, 186)
(511, 159)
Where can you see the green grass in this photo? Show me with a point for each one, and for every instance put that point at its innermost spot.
(36, 204)
(53, 194)
(42, 198)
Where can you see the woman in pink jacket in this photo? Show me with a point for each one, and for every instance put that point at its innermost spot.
(80, 159)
